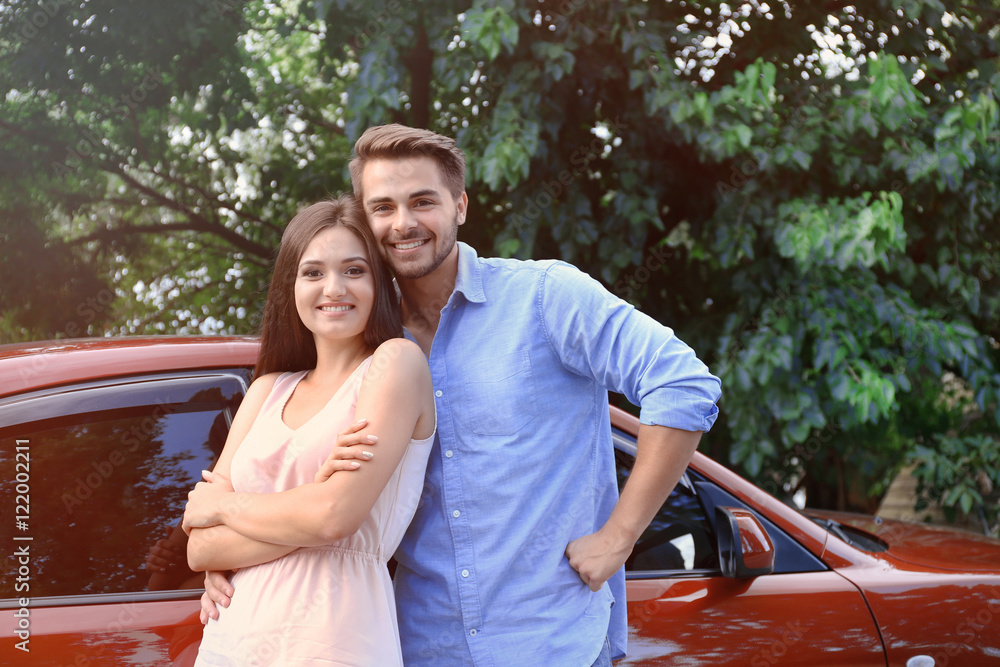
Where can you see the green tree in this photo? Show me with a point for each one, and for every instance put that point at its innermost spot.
(807, 192)
(151, 154)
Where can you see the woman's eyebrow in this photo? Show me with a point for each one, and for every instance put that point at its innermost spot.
(346, 260)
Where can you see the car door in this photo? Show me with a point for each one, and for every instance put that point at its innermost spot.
(682, 610)
(105, 471)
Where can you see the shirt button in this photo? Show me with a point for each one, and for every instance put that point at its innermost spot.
(473, 632)
(449, 453)
(465, 573)
(456, 514)
(439, 393)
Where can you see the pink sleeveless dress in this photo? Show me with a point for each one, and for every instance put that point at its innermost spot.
(328, 605)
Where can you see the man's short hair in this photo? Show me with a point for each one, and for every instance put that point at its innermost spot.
(395, 141)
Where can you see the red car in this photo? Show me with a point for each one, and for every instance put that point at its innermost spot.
(102, 439)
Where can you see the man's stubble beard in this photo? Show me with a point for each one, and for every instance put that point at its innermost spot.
(412, 271)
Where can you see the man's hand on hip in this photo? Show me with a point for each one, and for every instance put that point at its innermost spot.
(596, 557)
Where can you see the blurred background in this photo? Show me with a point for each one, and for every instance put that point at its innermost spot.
(807, 192)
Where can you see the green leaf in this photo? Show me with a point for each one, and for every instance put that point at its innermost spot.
(967, 501)
(745, 135)
(509, 248)
(841, 387)
(490, 28)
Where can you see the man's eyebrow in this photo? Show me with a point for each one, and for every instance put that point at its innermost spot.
(426, 192)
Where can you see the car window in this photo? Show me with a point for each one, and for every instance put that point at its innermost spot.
(679, 537)
(110, 468)
(789, 556)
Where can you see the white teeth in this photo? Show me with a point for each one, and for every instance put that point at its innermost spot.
(407, 246)
(335, 309)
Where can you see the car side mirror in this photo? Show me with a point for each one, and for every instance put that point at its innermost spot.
(745, 550)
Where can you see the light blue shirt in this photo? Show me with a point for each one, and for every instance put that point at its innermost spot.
(522, 361)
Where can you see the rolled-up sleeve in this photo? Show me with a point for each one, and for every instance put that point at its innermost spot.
(599, 335)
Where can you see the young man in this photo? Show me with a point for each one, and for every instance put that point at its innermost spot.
(516, 552)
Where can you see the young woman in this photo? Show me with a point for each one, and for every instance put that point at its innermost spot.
(311, 547)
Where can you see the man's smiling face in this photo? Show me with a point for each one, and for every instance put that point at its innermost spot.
(414, 216)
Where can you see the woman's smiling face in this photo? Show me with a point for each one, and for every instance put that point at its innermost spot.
(334, 285)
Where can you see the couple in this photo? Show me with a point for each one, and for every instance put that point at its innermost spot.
(518, 536)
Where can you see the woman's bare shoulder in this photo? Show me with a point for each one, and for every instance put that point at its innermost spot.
(399, 354)
(263, 384)
(399, 370)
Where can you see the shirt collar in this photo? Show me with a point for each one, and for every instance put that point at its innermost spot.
(470, 274)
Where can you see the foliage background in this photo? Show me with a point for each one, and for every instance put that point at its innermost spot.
(807, 192)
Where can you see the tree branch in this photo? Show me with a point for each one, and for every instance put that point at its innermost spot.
(198, 225)
(213, 201)
(197, 222)
(315, 120)
(420, 62)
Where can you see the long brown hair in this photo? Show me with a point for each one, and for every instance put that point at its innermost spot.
(395, 141)
(285, 342)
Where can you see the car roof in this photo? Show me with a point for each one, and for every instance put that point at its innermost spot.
(26, 367)
(43, 364)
